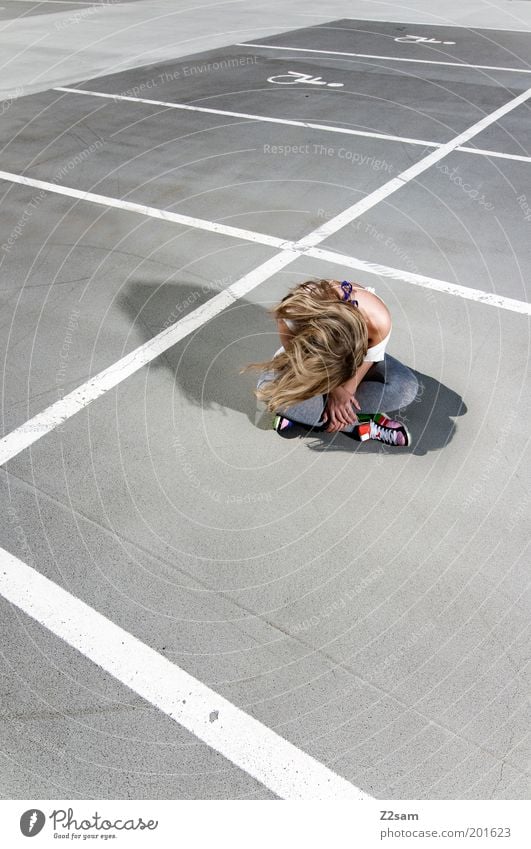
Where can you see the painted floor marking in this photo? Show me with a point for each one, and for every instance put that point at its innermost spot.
(442, 25)
(386, 58)
(29, 432)
(358, 208)
(328, 128)
(260, 752)
(248, 115)
(256, 749)
(243, 234)
(488, 298)
(63, 409)
(496, 153)
(150, 211)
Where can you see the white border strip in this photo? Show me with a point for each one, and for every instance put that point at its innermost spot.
(25, 435)
(274, 762)
(328, 128)
(387, 58)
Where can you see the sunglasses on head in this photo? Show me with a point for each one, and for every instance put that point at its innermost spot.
(347, 292)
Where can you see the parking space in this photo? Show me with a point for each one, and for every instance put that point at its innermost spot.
(346, 616)
(406, 41)
(85, 285)
(370, 607)
(289, 171)
(464, 220)
(257, 80)
(94, 738)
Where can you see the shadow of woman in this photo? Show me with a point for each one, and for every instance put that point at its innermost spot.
(206, 366)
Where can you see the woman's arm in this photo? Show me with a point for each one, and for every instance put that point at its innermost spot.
(376, 335)
(342, 403)
(352, 384)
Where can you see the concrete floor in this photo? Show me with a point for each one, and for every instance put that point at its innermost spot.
(46, 49)
(369, 605)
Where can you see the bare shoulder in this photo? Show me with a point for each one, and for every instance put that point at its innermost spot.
(376, 312)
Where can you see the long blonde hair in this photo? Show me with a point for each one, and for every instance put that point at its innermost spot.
(328, 345)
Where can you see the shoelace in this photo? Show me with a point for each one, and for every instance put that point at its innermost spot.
(385, 434)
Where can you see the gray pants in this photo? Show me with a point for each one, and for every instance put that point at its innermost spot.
(388, 386)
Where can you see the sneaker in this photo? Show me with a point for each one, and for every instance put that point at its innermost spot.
(386, 430)
(281, 423)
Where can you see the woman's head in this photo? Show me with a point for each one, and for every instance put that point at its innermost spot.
(328, 345)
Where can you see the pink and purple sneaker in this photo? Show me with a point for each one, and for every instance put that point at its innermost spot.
(382, 428)
(281, 423)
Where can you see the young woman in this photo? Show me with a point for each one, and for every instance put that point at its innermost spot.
(332, 371)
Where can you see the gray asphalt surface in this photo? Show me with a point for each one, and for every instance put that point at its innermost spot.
(17, 9)
(370, 605)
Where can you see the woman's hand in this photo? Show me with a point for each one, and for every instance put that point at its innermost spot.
(339, 412)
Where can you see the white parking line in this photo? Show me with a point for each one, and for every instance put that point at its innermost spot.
(357, 209)
(31, 431)
(442, 24)
(259, 751)
(50, 418)
(251, 117)
(433, 283)
(150, 211)
(274, 762)
(496, 153)
(25, 435)
(387, 58)
(328, 128)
